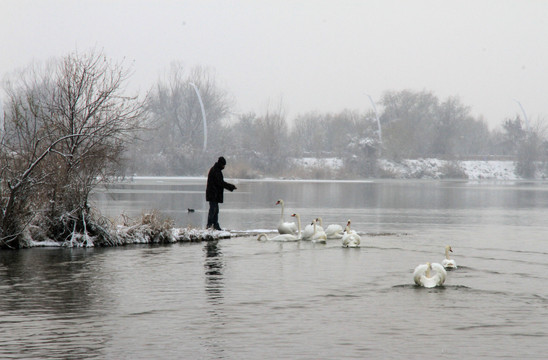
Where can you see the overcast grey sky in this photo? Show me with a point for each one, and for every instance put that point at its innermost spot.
(311, 55)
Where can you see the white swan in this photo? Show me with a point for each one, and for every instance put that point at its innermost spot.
(308, 231)
(350, 238)
(423, 275)
(317, 235)
(448, 263)
(347, 228)
(319, 224)
(332, 231)
(285, 227)
(284, 237)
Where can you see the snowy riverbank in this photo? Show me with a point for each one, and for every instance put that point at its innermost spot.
(437, 169)
(429, 168)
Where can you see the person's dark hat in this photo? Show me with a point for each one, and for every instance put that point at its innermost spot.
(222, 161)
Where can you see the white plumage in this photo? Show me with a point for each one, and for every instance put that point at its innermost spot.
(429, 275)
(332, 231)
(283, 226)
(350, 238)
(319, 234)
(284, 237)
(447, 263)
(308, 231)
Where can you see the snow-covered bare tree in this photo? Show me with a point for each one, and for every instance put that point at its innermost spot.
(65, 129)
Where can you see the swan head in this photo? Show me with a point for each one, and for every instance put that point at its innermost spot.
(447, 250)
(347, 227)
(280, 201)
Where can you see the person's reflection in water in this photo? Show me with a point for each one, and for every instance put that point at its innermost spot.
(213, 265)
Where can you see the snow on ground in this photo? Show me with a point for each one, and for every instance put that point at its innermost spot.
(413, 169)
(141, 234)
(190, 234)
(493, 170)
(426, 168)
(437, 169)
(332, 163)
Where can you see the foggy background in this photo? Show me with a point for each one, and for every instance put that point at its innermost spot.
(322, 56)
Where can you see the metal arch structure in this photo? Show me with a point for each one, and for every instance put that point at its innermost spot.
(203, 114)
(377, 116)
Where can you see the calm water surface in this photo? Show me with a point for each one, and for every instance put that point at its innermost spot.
(243, 299)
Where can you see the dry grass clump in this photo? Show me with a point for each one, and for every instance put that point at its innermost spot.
(151, 227)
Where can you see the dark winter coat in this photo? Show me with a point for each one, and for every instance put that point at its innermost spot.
(216, 184)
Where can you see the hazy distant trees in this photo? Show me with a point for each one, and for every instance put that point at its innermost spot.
(348, 135)
(310, 134)
(330, 134)
(175, 144)
(514, 134)
(417, 124)
(262, 142)
(64, 130)
(407, 122)
(528, 145)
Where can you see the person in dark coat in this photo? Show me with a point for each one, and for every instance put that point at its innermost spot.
(214, 192)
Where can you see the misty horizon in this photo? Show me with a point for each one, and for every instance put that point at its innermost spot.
(308, 56)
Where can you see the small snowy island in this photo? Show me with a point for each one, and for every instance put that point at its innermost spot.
(138, 234)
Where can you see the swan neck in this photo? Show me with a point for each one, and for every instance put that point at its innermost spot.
(298, 225)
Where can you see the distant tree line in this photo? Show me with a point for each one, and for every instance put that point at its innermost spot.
(413, 124)
(68, 125)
